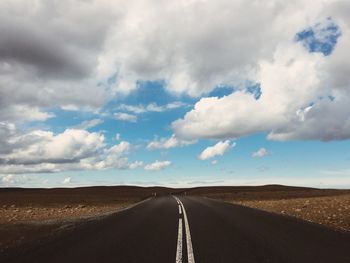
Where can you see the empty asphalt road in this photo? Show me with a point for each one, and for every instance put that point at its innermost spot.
(192, 229)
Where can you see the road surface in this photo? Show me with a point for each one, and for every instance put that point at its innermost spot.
(193, 229)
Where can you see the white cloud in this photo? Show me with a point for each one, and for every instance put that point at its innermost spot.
(167, 143)
(214, 162)
(88, 124)
(69, 107)
(216, 150)
(67, 180)
(287, 86)
(41, 151)
(136, 164)
(157, 165)
(152, 107)
(42, 146)
(294, 104)
(113, 157)
(117, 136)
(196, 58)
(260, 153)
(120, 148)
(24, 112)
(135, 109)
(122, 116)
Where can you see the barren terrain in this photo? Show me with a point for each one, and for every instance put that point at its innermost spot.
(331, 211)
(14, 214)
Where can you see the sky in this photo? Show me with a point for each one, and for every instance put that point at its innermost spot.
(174, 93)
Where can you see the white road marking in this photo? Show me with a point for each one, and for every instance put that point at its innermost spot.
(179, 209)
(179, 243)
(190, 255)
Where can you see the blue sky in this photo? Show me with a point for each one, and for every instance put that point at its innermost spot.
(139, 101)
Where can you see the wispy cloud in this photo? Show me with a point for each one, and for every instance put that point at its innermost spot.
(157, 165)
(122, 116)
(88, 124)
(152, 107)
(337, 172)
(129, 113)
(260, 153)
(167, 143)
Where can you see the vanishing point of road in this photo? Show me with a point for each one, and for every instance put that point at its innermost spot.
(184, 229)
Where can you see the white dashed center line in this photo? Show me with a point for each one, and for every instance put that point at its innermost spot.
(179, 243)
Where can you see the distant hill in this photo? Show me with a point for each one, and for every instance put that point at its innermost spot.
(112, 194)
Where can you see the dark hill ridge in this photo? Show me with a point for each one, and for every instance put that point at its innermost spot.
(113, 194)
(91, 195)
(264, 192)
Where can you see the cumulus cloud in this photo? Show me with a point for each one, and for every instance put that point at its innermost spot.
(167, 143)
(41, 151)
(288, 84)
(41, 146)
(297, 100)
(194, 58)
(260, 153)
(157, 165)
(216, 150)
(112, 157)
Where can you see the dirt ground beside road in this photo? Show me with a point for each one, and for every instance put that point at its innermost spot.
(14, 214)
(20, 225)
(331, 211)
